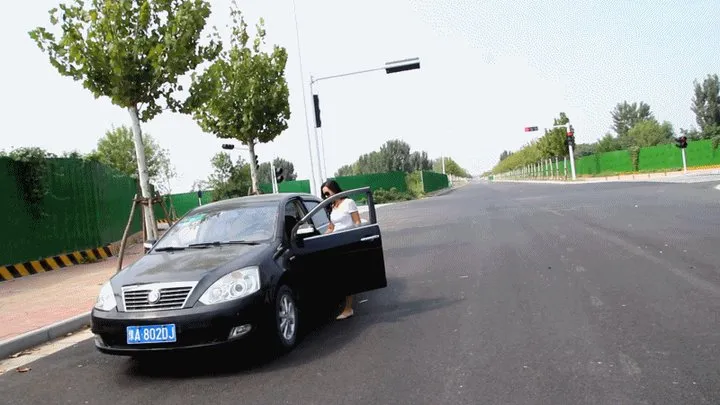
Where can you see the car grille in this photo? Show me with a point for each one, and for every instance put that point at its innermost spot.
(171, 296)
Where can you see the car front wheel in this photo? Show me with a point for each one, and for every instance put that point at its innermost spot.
(286, 318)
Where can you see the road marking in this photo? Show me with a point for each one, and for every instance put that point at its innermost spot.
(9, 365)
(717, 187)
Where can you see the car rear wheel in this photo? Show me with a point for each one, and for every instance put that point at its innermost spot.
(286, 318)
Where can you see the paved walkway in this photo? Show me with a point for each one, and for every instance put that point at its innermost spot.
(32, 302)
(692, 176)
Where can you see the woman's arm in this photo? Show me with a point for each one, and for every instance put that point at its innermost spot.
(355, 217)
(330, 228)
(353, 210)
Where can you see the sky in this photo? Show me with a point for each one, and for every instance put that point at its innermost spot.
(488, 69)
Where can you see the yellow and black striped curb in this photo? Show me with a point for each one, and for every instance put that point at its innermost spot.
(56, 262)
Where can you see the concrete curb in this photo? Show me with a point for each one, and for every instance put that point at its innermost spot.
(43, 335)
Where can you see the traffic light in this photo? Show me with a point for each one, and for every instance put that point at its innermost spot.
(316, 104)
(570, 138)
(279, 175)
(257, 162)
(228, 146)
(681, 142)
(531, 129)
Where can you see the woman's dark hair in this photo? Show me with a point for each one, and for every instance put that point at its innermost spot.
(332, 185)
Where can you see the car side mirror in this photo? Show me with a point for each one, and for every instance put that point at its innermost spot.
(306, 230)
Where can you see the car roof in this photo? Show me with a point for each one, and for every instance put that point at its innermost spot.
(262, 199)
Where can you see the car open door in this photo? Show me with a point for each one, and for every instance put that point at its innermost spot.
(347, 262)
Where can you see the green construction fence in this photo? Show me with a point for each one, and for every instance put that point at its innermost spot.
(86, 205)
(433, 181)
(292, 186)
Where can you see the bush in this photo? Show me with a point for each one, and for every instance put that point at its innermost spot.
(414, 184)
(381, 196)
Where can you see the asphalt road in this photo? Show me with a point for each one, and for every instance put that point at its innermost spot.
(499, 294)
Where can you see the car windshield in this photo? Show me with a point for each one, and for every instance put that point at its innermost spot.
(246, 224)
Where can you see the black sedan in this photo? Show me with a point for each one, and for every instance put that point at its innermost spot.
(234, 269)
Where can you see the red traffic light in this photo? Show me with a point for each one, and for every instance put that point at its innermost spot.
(531, 129)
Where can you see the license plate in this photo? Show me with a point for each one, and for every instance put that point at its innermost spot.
(151, 334)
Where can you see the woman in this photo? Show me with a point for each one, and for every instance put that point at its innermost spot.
(344, 215)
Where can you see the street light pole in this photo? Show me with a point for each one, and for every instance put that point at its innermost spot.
(317, 142)
(570, 149)
(315, 186)
(389, 67)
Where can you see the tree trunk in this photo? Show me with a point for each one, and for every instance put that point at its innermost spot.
(253, 169)
(143, 177)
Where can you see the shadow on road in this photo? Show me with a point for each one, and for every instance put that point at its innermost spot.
(323, 337)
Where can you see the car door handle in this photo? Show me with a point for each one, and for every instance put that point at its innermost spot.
(370, 238)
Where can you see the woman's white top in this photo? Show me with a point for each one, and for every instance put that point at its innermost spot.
(340, 215)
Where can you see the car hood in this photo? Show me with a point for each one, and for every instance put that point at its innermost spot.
(190, 264)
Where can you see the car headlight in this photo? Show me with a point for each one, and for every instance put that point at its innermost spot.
(106, 298)
(233, 286)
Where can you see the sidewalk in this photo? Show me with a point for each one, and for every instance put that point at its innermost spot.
(33, 302)
(692, 176)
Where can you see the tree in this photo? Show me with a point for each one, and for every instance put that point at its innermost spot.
(608, 143)
(552, 144)
(229, 180)
(420, 161)
(74, 154)
(372, 162)
(243, 95)
(222, 169)
(706, 105)
(287, 166)
(451, 167)
(584, 149)
(347, 170)
(132, 52)
(117, 150)
(199, 185)
(395, 155)
(166, 173)
(650, 133)
(504, 155)
(626, 115)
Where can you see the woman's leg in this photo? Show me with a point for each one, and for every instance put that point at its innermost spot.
(348, 311)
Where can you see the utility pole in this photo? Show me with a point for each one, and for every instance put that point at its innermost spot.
(315, 186)
(681, 143)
